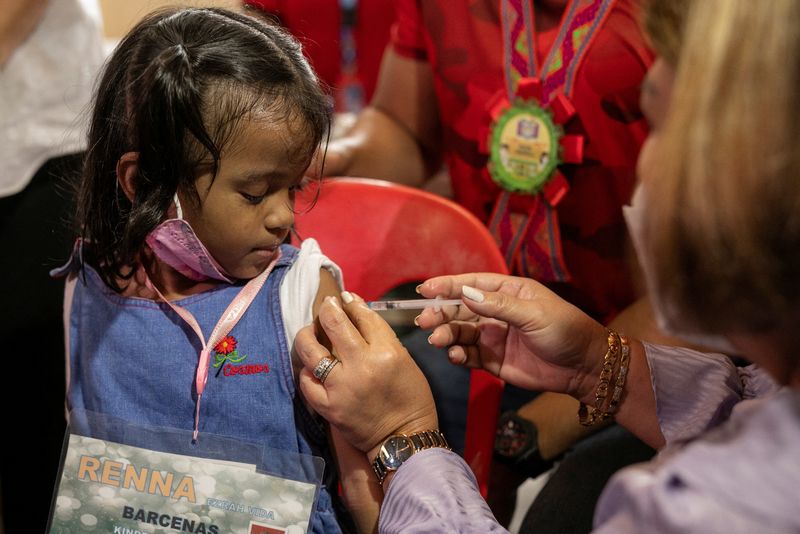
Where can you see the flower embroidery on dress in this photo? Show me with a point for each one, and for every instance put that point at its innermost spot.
(226, 354)
(227, 345)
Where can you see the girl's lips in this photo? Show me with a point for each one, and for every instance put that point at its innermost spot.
(266, 251)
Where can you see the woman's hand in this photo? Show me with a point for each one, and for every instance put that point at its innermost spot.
(377, 390)
(519, 330)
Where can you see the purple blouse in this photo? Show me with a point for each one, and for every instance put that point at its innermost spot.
(740, 476)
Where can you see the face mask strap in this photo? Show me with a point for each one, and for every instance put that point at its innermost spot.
(178, 206)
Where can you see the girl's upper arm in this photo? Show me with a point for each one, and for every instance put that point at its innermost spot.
(328, 286)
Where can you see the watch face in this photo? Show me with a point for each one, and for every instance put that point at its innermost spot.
(511, 439)
(395, 451)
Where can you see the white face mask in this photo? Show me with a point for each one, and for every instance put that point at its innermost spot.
(666, 313)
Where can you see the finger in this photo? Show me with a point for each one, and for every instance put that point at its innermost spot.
(370, 325)
(308, 348)
(314, 392)
(450, 286)
(508, 308)
(455, 333)
(466, 356)
(326, 379)
(445, 286)
(344, 336)
(431, 318)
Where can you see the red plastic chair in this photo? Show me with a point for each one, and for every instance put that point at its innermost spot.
(383, 235)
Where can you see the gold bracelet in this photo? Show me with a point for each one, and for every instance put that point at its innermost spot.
(588, 416)
(622, 374)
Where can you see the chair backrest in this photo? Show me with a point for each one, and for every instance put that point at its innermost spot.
(383, 235)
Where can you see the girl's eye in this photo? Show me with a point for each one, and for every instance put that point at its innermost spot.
(253, 199)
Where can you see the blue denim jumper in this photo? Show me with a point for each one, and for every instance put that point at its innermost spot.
(135, 359)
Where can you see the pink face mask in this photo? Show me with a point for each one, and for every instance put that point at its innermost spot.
(175, 243)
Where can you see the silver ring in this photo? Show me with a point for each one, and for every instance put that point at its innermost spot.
(323, 367)
(328, 371)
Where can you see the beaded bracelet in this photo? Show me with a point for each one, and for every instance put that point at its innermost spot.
(588, 416)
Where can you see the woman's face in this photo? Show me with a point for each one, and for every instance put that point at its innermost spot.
(655, 97)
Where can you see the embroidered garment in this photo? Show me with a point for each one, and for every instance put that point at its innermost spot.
(135, 359)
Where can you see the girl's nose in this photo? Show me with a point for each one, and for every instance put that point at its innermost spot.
(280, 212)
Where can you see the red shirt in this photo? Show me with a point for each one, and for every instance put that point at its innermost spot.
(317, 24)
(463, 42)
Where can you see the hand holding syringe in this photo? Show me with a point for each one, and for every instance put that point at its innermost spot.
(413, 304)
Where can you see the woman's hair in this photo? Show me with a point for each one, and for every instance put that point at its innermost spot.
(174, 91)
(724, 224)
(664, 22)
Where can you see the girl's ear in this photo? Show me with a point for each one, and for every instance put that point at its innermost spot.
(127, 169)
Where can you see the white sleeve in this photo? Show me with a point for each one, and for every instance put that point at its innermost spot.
(300, 287)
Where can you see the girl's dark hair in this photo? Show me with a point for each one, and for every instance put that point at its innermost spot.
(174, 91)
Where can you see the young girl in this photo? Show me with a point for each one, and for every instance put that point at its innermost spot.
(183, 304)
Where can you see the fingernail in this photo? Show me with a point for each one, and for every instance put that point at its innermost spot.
(472, 294)
(333, 300)
(455, 358)
(416, 320)
(347, 297)
(417, 289)
(429, 339)
(355, 297)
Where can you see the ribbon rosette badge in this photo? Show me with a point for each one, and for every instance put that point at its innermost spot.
(225, 351)
(526, 143)
(524, 148)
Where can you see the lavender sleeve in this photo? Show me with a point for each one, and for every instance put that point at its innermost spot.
(435, 491)
(696, 391)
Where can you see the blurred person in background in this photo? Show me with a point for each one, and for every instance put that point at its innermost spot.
(50, 53)
(343, 39)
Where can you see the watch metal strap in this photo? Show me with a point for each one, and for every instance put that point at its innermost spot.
(427, 439)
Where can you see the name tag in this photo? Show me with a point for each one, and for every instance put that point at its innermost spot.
(110, 487)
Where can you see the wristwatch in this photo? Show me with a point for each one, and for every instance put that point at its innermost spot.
(398, 448)
(516, 444)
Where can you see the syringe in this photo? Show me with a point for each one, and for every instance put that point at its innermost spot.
(413, 304)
